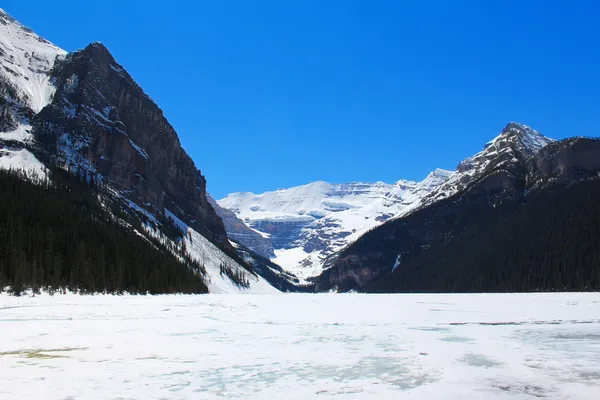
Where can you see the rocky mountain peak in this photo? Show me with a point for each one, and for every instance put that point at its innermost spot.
(100, 123)
(525, 139)
(516, 142)
(439, 174)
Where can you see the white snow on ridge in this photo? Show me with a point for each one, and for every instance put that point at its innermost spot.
(310, 222)
(26, 61)
(292, 346)
(529, 140)
(515, 138)
(301, 202)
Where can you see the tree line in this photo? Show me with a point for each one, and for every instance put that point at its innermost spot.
(546, 241)
(56, 235)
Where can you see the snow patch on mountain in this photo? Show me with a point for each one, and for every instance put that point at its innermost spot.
(21, 134)
(26, 60)
(22, 160)
(202, 250)
(25, 86)
(207, 254)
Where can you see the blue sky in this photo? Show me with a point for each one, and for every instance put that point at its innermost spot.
(271, 94)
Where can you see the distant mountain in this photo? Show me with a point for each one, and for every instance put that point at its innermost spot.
(516, 143)
(306, 224)
(81, 112)
(522, 215)
(237, 230)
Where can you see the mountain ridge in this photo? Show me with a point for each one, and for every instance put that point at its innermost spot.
(85, 114)
(304, 227)
(309, 223)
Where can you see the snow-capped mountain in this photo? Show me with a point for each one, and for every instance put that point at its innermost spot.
(83, 113)
(308, 223)
(516, 142)
(518, 160)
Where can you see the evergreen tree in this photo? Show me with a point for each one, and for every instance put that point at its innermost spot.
(56, 235)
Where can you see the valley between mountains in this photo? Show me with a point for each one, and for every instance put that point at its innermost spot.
(77, 131)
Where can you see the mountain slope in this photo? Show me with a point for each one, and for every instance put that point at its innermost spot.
(466, 225)
(516, 143)
(237, 230)
(82, 112)
(306, 224)
(57, 235)
(26, 61)
(101, 123)
(514, 250)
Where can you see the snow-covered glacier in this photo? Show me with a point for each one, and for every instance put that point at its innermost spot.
(308, 223)
(294, 346)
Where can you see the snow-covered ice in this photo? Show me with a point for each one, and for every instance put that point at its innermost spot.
(514, 346)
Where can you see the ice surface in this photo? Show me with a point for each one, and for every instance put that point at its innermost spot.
(327, 346)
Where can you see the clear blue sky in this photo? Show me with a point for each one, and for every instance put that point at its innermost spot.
(271, 94)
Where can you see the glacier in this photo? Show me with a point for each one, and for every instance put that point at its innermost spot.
(309, 223)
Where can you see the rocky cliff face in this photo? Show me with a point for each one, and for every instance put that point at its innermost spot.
(565, 161)
(241, 233)
(101, 123)
(517, 165)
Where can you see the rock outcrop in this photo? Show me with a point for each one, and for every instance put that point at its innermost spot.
(241, 233)
(101, 123)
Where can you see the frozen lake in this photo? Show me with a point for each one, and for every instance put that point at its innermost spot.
(516, 346)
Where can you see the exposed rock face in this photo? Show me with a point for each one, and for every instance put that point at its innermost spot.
(566, 160)
(101, 123)
(506, 172)
(241, 233)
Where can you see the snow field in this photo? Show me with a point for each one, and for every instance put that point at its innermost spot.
(490, 346)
